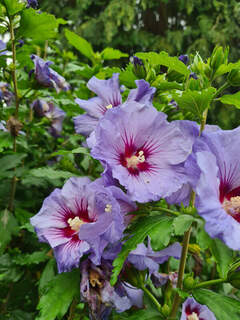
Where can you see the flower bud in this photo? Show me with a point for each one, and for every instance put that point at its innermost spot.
(188, 282)
(217, 58)
(184, 58)
(138, 68)
(166, 310)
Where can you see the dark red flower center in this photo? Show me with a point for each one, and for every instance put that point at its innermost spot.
(230, 200)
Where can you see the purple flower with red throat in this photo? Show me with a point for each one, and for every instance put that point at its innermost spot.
(82, 217)
(192, 310)
(46, 109)
(108, 97)
(145, 154)
(218, 189)
(47, 77)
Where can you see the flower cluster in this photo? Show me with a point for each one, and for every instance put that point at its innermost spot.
(150, 159)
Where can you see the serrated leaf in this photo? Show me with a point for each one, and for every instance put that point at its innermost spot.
(232, 99)
(37, 26)
(127, 77)
(110, 54)
(11, 161)
(223, 256)
(8, 227)
(80, 44)
(182, 223)
(195, 102)
(50, 173)
(224, 308)
(33, 258)
(146, 226)
(164, 59)
(13, 6)
(56, 301)
(161, 236)
(81, 150)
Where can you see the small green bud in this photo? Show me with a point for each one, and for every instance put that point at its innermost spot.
(166, 310)
(188, 282)
(217, 58)
(234, 77)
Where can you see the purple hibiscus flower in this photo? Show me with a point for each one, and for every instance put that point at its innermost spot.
(145, 258)
(145, 154)
(108, 97)
(82, 217)
(46, 76)
(218, 189)
(53, 113)
(192, 310)
(95, 289)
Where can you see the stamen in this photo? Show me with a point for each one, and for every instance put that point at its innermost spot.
(108, 208)
(95, 279)
(75, 223)
(133, 161)
(232, 206)
(109, 106)
(193, 316)
(45, 107)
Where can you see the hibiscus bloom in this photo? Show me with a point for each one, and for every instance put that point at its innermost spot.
(218, 189)
(144, 152)
(192, 310)
(108, 97)
(82, 217)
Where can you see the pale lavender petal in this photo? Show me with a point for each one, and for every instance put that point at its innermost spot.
(85, 124)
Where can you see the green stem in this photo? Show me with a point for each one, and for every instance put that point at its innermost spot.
(177, 298)
(209, 283)
(166, 210)
(14, 77)
(153, 299)
(221, 89)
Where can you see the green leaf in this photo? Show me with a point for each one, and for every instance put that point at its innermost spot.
(5, 140)
(11, 161)
(182, 223)
(195, 102)
(50, 173)
(33, 258)
(37, 26)
(224, 308)
(203, 238)
(13, 6)
(57, 299)
(163, 59)
(8, 227)
(223, 256)
(127, 77)
(110, 54)
(232, 99)
(143, 227)
(47, 275)
(161, 236)
(80, 44)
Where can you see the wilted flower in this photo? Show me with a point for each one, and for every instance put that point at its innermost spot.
(82, 217)
(145, 258)
(47, 76)
(108, 97)
(193, 76)
(219, 183)
(49, 110)
(184, 58)
(138, 67)
(160, 279)
(145, 154)
(192, 310)
(101, 297)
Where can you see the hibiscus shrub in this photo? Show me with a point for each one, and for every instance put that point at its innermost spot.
(118, 200)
